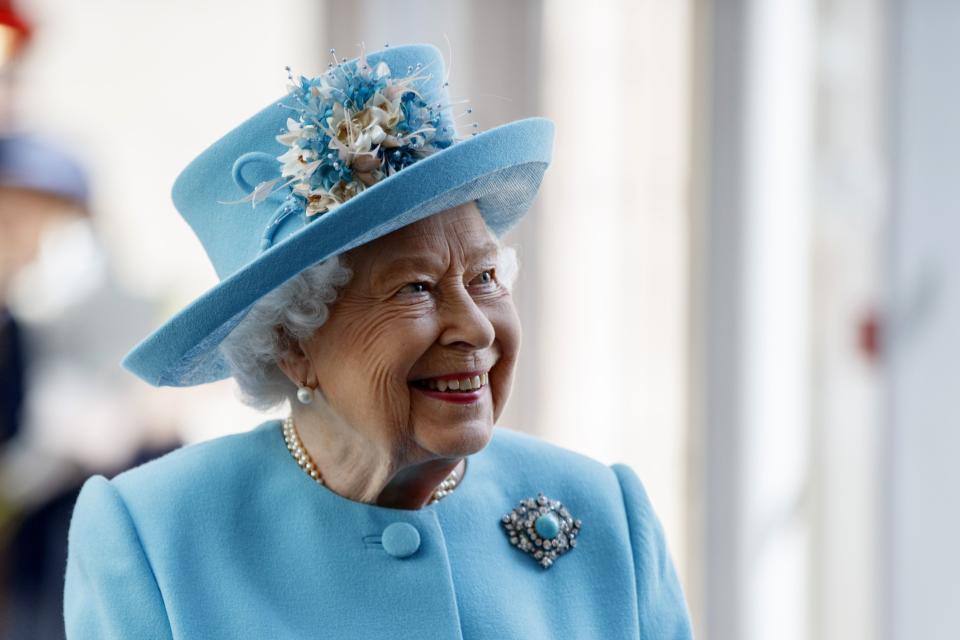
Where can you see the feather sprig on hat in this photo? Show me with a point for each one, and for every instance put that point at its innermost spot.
(354, 125)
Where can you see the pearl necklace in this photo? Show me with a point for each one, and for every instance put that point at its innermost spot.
(299, 453)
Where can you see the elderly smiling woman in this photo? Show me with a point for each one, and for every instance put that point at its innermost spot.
(363, 281)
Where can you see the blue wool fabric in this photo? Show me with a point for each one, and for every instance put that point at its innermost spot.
(231, 539)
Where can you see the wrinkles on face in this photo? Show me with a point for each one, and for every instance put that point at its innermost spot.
(364, 345)
(419, 305)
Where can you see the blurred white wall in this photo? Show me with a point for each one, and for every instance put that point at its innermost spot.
(613, 248)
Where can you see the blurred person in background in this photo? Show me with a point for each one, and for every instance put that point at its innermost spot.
(66, 411)
(41, 189)
(365, 285)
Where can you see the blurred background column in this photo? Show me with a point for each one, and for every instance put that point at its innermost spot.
(754, 267)
(790, 216)
(849, 219)
(613, 247)
(921, 505)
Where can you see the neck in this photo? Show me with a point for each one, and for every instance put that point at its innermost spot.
(413, 486)
(358, 469)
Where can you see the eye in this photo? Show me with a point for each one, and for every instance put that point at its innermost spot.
(414, 288)
(486, 277)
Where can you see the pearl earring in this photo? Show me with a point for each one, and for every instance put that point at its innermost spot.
(304, 394)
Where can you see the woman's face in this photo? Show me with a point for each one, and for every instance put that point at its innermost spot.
(424, 303)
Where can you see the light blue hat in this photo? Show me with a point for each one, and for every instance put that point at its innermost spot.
(344, 158)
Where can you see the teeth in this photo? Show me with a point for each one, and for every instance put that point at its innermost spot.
(463, 384)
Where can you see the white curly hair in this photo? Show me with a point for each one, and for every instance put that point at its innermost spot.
(293, 312)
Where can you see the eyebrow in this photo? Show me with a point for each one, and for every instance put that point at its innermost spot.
(485, 250)
(415, 263)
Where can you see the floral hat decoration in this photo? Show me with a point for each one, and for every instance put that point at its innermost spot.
(343, 158)
(355, 127)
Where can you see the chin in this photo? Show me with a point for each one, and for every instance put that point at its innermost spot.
(456, 441)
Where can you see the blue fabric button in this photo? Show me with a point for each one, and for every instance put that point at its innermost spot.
(547, 526)
(401, 539)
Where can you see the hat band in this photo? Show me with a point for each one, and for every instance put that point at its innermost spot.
(284, 211)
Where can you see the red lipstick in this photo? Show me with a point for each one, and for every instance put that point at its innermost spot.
(457, 397)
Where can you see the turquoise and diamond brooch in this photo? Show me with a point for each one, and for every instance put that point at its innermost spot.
(542, 528)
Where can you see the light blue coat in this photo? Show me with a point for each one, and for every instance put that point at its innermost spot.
(231, 539)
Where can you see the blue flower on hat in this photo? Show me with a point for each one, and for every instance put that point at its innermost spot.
(354, 126)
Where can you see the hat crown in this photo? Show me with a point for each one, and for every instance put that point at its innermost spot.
(212, 192)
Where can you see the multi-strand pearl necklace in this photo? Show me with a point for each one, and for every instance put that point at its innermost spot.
(299, 453)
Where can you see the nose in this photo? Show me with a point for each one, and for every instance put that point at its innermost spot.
(464, 322)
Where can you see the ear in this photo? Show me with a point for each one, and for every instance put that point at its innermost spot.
(294, 361)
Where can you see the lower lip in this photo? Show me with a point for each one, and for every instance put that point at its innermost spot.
(459, 397)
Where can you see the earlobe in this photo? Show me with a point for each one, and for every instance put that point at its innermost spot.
(297, 369)
(294, 361)
(289, 368)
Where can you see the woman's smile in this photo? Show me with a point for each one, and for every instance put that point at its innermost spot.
(460, 388)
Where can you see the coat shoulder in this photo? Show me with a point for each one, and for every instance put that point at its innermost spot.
(533, 459)
(507, 441)
(198, 470)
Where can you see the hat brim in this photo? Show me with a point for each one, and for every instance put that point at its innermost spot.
(501, 169)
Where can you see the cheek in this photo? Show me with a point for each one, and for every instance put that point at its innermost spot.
(506, 323)
(368, 355)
